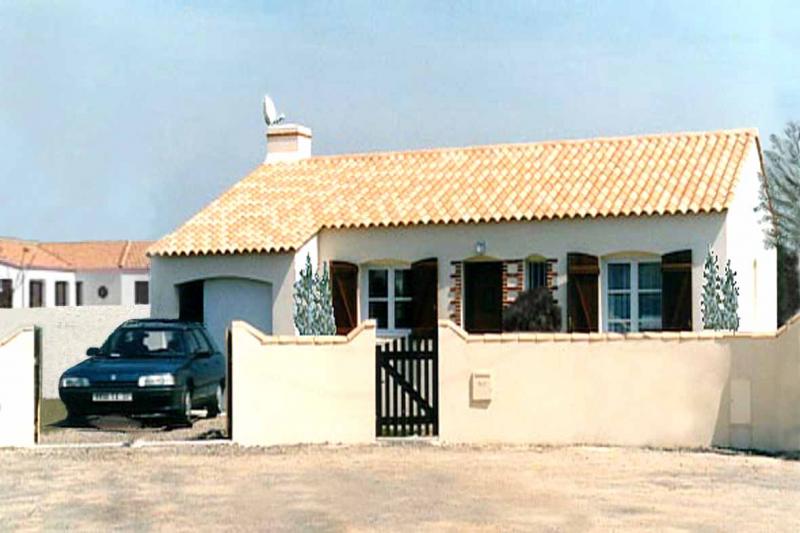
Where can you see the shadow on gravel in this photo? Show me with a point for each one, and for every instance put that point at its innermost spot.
(116, 424)
(786, 456)
(212, 434)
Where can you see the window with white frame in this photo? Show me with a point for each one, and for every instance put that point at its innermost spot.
(389, 297)
(633, 295)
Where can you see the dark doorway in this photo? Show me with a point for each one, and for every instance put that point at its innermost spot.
(190, 301)
(583, 271)
(483, 297)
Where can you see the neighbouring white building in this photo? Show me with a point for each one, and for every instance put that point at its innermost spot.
(55, 274)
(617, 228)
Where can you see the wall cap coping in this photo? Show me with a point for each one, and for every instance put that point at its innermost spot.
(666, 336)
(306, 340)
(16, 333)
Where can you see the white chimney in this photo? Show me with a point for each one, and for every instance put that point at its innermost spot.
(287, 142)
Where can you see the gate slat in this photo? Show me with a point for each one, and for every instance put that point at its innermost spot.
(418, 373)
(386, 398)
(397, 391)
(378, 385)
(402, 366)
(435, 379)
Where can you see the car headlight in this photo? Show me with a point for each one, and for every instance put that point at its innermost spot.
(157, 380)
(67, 382)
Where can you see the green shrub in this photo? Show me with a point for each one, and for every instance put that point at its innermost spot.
(313, 303)
(533, 310)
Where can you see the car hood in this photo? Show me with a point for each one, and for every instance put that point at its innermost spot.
(126, 368)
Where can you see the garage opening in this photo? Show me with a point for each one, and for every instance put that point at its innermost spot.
(229, 299)
(190, 301)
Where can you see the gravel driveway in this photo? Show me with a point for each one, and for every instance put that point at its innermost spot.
(120, 429)
(397, 487)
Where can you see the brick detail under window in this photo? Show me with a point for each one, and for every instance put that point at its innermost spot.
(456, 269)
(552, 275)
(513, 280)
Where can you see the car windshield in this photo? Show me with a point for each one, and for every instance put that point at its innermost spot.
(145, 342)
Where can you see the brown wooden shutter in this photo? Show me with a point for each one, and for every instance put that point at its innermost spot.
(582, 293)
(344, 284)
(676, 291)
(424, 282)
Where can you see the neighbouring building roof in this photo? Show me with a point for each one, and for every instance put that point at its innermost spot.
(279, 206)
(89, 255)
(17, 253)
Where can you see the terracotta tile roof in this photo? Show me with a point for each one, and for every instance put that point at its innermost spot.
(89, 255)
(29, 254)
(135, 255)
(280, 205)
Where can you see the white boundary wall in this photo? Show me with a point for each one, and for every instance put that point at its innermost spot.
(288, 390)
(17, 363)
(67, 332)
(668, 390)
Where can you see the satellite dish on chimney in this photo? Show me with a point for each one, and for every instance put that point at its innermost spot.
(271, 115)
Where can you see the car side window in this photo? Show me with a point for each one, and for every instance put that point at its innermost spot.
(202, 342)
(191, 343)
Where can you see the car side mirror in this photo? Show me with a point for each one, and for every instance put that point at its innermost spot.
(91, 352)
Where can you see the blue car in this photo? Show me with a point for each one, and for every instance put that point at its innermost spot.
(148, 367)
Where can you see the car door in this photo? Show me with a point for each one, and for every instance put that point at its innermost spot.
(198, 366)
(217, 364)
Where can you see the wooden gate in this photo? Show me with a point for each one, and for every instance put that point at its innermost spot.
(407, 387)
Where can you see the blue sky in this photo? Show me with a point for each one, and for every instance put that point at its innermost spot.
(120, 120)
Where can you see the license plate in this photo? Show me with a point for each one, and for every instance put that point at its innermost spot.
(112, 397)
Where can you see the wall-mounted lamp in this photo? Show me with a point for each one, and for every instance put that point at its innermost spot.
(480, 247)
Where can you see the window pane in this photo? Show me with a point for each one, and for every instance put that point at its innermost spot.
(36, 294)
(6, 293)
(619, 327)
(537, 274)
(201, 342)
(650, 306)
(402, 283)
(619, 306)
(380, 312)
(378, 284)
(650, 275)
(619, 276)
(141, 293)
(649, 325)
(402, 315)
(61, 293)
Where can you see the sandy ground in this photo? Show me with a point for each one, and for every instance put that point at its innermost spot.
(121, 429)
(395, 488)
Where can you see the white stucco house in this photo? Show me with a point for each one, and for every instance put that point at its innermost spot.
(56, 274)
(617, 229)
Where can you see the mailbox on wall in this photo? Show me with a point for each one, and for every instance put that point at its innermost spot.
(481, 386)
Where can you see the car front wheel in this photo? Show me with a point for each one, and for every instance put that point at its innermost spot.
(217, 403)
(185, 417)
